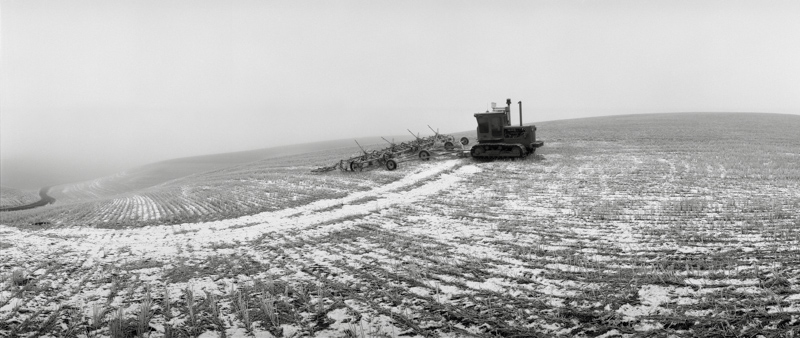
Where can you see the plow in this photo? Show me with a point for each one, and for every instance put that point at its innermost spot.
(496, 139)
(419, 149)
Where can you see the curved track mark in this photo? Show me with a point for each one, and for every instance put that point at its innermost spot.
(45, 199)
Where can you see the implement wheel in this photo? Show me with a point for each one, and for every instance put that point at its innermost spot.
(424, 155)
(391, 165)
(448, 145)
(464, 141)
(355, 166)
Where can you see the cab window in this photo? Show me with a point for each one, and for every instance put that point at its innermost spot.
(483, 125)
(496, 126)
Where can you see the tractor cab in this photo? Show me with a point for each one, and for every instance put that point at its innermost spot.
(491, 124)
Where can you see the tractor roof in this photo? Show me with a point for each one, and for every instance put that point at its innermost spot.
(491, 113)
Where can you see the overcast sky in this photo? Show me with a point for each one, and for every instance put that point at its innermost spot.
(93, 87)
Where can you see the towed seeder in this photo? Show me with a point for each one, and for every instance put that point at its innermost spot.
(421, 148)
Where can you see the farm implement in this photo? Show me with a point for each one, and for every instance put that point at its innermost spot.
(496, 137)
(419, 149)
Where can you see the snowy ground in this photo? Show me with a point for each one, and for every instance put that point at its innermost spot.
(593, 238)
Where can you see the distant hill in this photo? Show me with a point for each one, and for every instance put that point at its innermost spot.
(670, 126)
(153, 174)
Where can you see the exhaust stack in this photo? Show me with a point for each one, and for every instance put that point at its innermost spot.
(508, 111)
(520, 113)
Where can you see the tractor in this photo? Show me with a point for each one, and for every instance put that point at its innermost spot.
(498, 139)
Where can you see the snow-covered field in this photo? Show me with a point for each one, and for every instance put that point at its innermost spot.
(656, 228)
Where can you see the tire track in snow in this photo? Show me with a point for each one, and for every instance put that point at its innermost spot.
(250, 227)
(163, 241)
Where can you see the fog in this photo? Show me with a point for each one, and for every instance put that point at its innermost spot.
(89, 88)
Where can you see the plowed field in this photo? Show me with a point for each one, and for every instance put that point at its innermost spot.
(659, 225)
